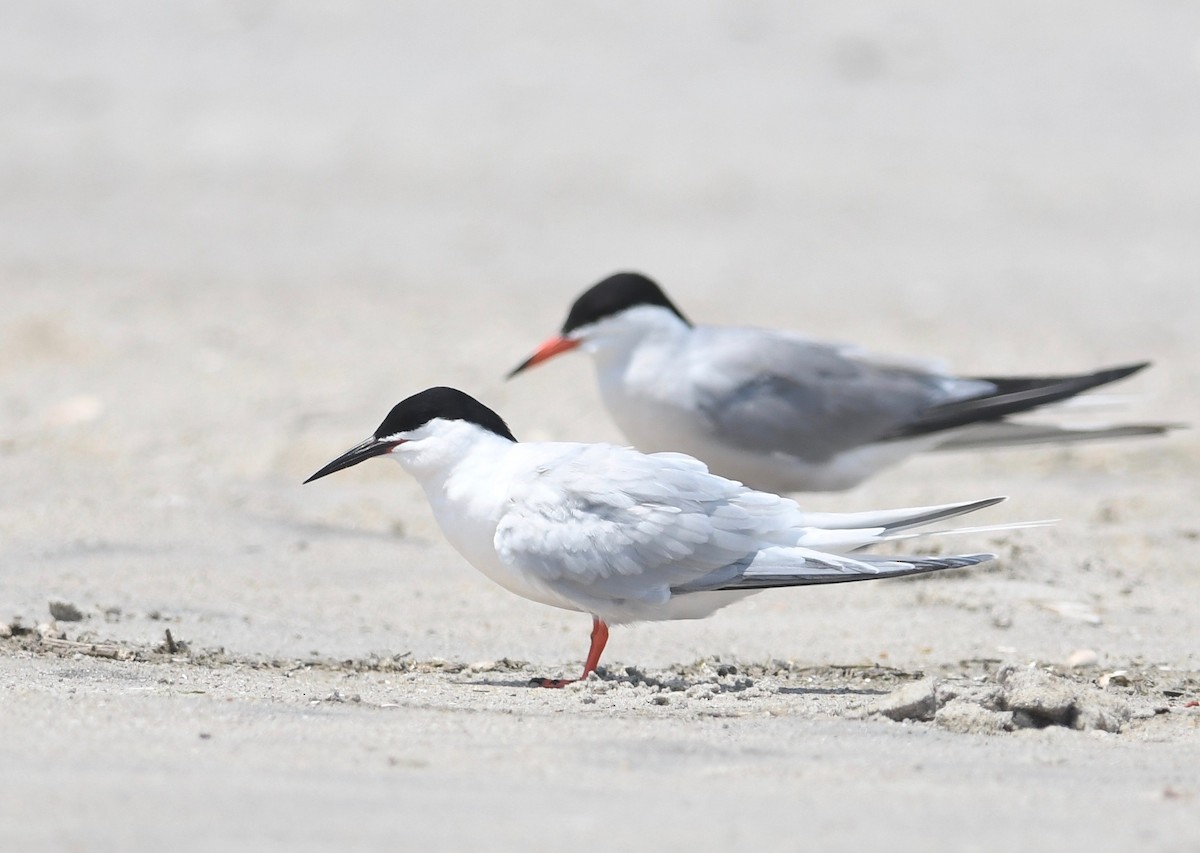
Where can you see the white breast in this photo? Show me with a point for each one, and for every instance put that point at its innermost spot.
(467, 504)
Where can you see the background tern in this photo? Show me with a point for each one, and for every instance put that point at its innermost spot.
(621, 535)
(778, 411)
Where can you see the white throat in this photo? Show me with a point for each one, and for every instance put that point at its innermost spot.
(615, 342)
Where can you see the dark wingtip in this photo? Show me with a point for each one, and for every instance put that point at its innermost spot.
(1012, 396)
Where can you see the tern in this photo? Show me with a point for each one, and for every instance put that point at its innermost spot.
(621, 535)
(781, 412)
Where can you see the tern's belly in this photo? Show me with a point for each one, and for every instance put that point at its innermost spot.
(515, 581)
(475, 540)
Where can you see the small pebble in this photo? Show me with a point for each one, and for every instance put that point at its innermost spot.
(65, 611)
(1117, 677)
(1081, 658)
(914, 701)
(50, 631)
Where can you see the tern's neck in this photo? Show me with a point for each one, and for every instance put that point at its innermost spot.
(468, 493)
(457, 445)
(616, 341)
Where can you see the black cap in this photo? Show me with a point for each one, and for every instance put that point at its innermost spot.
(615, 294)
(441, 402)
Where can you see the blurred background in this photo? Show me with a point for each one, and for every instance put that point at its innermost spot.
(233, 234)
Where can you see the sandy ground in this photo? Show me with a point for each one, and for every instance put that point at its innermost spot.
(233, 234)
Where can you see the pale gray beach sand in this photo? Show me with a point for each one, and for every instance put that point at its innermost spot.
(233, 234)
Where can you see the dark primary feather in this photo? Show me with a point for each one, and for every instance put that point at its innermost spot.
(1012, 395)
(908, 566)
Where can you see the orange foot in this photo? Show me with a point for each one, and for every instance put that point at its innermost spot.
(599, 638)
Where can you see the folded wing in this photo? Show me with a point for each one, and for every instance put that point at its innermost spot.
(607, 527)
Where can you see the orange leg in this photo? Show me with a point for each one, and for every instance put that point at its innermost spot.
(599, 638)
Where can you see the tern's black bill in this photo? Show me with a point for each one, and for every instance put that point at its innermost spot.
(370, 447)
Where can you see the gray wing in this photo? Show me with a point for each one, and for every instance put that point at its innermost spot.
(776, 392)
(609, 525)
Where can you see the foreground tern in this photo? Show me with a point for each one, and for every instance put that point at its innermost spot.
(781, 412)
(621, 535)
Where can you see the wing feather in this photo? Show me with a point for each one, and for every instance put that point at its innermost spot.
(649, 524)
(780, 393)
(626, 540)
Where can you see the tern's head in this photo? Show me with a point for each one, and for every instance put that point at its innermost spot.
(429, 428)
(618, 311)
